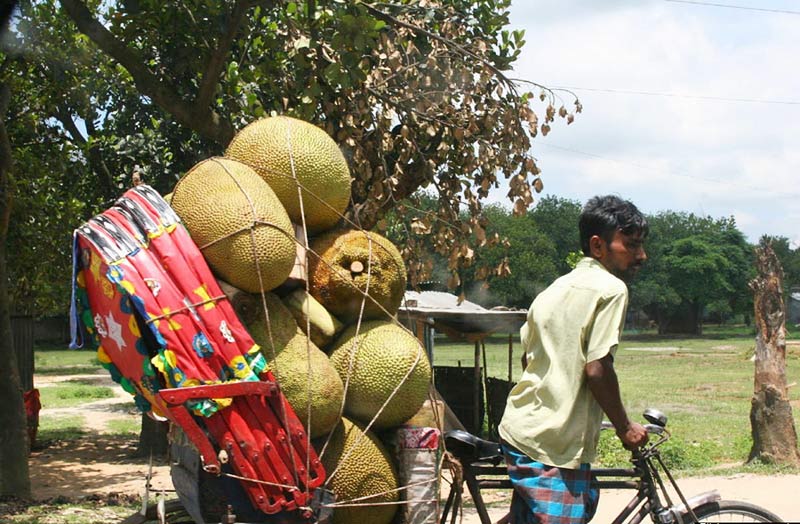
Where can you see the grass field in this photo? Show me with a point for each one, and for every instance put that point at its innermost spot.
(704, 384)
(56, 360)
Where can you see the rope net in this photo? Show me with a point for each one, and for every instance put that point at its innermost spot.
(357, 272)
(380, 372)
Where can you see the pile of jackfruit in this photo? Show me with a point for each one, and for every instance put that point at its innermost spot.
(318, 295)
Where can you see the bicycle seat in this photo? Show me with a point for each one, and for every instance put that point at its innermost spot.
(469, 448)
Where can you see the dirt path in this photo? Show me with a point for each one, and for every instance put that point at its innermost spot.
(99, 463)
(97, 414)
(778, 493)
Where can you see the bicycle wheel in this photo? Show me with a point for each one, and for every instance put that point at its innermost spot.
(726, 511)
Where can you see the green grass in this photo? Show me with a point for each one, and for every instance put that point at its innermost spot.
(73, 393)
(124, 426)
(704, 384)
(60, 428)
(63, 510)
(49, 360)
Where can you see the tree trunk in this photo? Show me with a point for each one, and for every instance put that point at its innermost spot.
(14, 445)
(697, 317)
(683, 321)
(774, 434)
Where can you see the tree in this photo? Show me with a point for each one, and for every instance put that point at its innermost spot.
(416, 93)
(697, 273)
(774, 433)
(71, 147)
(14, 445)
(557, 218)
(789, 259)
(694, 262)
(527, 252)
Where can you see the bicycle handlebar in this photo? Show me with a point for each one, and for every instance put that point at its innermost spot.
(650, 428)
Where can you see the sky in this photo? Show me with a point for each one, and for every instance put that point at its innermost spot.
(686, 107)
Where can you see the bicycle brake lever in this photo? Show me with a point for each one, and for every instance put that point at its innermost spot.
(652, 428)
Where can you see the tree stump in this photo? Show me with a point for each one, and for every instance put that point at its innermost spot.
(774, 434)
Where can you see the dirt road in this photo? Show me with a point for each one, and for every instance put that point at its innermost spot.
(778, 493)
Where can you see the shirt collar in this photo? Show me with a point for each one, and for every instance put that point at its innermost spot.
(589, 262)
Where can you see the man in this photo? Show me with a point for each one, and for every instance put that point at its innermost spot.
(551, 424)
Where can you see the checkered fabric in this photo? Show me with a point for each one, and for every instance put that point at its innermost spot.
(547, 494)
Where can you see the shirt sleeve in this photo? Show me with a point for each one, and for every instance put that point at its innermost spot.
(607, 325)
(525, 335)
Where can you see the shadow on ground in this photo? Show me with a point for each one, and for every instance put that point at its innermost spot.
(97, 464)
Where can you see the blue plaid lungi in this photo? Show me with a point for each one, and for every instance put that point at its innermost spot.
(548, 494)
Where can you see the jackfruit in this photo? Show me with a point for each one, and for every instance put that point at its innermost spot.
(289, 154)
(282, 325)
(382, 361)
(303, 372)
(358, 466)
(312, 316)
(344, 265)
(238, 223)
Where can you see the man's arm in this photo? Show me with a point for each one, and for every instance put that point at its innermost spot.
(602, 381)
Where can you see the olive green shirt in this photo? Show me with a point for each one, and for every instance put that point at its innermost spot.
(551, 415)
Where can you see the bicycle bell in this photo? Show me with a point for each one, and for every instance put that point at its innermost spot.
(656, 417)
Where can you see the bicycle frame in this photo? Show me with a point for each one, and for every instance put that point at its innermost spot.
(644, 477)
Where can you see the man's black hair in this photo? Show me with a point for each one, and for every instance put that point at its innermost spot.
(604, 215)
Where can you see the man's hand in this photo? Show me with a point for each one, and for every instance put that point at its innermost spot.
(633, 436)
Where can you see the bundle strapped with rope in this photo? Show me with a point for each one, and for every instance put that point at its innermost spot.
(169, 336)
(168, 332)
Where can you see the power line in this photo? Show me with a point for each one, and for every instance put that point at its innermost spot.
(746, 8)
(782, 194)
(678, 95)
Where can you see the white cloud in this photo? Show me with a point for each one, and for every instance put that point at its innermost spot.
(707, 156)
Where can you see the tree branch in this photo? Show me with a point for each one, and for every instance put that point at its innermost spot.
(69, 125)
(96, 161)
(386, 17)
(201, 119)
(216, 62)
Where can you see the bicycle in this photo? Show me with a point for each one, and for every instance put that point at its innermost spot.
(482, 466)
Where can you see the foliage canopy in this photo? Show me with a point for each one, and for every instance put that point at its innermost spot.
(415, 92)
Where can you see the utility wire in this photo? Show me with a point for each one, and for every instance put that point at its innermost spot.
(677, 95)
(713, 4)
(782, 194)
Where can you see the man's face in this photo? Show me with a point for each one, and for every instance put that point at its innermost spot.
(623, 256)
